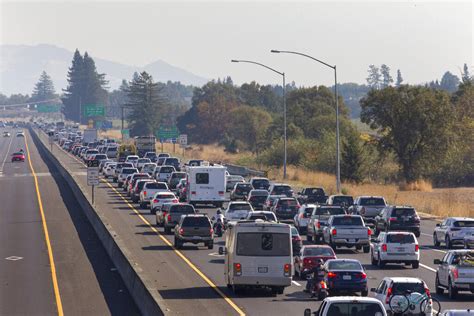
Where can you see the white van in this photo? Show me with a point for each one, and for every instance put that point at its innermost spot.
(258, 254)
(206, 185)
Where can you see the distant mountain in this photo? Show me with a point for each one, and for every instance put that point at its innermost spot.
(21, 66)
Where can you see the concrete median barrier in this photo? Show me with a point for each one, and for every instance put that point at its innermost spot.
(145, 295)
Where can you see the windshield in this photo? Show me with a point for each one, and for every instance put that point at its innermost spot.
(401, 238)
(463, 224)
(354, 309)
(318, 251)
(263, 244)
(347, 221)
(372, 201)
(344, 265)
(157, 186)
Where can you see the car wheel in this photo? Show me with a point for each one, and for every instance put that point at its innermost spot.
(280, 290)
(236, 289)
(452, 292)
(448, 242)
(435, 240)
(439, 289)
(372, 259)
(210, 245)
(366, 249)
(309, 237)
(365, 292)
(380, 262)
(142, 205)
(417, 233)
(415, 265)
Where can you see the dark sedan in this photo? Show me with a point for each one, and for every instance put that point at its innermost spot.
(345, 275)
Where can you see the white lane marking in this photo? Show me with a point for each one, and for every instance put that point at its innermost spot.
(215, 254)
(427, 268)
(425, 234)
(6, 155)
(295, 283)
(14, 258)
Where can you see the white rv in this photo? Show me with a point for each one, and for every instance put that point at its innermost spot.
(206, 185)
(258, 254)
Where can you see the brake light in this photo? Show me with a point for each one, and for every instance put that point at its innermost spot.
(332, 275)
(417, 248)
(318, 225)
(175, 201)
(323, 285)
(369, 232)
(384, 248)
(392, 219)
(334, 232)
(287, 269)
(362, 275)
(237, 269)
(181, 231)
(193, 192)
(144, 193)
(169, 217)
(307, 261)
(389, 294)
(455, 273)
(156, 201)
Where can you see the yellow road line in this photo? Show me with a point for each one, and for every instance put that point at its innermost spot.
(59, 305)
(179, 253)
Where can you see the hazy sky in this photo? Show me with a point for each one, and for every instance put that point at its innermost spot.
(421, 38)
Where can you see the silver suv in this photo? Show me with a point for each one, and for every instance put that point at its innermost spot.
(452, 231)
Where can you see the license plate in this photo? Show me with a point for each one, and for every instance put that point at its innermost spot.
(401, 249)
(262, 269)
(352, 240)
(197, 237)
(347, 277)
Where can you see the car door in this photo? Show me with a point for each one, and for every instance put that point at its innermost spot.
(378, 243)
(443, 271)
(379, 292)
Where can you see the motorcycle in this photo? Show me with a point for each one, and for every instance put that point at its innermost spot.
(219, 228)
(318, 288)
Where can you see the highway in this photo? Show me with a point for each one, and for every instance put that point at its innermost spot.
(192, 279)
(67, 272)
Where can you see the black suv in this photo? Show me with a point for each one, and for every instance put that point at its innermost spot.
(194, 228)
(398, 218)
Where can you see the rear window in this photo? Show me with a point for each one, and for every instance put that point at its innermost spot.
(132, 158)
(141, 160)
(178, 175)
(100, 156)
(263, 193)
(291, 202)
(260, 182)
(281, 189)
(348, 220)
(202, 178)
(165, 196)
(263, 244)
(355, 308)
(140, 184)
(348, 200)
(166, 169)
(463, 224)
(412, 287)
(329, 211)
(400, 238)
(258, 216)
(157, 186)
(193, 221)
(398, 212)
(240, 206)
(344, 265)
(318, 251)
(172, 161)
(314, 191)
(129, 170)
(244, 185)
(111, 149)
(309, 210)
(185, 209)
(372, 201)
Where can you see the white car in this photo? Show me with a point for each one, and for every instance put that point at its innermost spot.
(303, 216)
(237, 210)
(149, 191)
(395, 247)
(346, 305)
(141, 162)
(458, 312)
(469, 241)
(452, 231)
(163, 173)
(263, 215)
(161, 198)
(132, 159)
(109, 170)
(149, 168)
(416, 290)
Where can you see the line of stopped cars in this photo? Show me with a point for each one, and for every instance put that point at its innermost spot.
(262, 223)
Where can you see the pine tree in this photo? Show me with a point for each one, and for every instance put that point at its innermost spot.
(466, 77)
(352, 162)
(449, 82)
(374, 78)
(44, 89)
(399, 78)
(387, 79)
(147, 107)
(74, 90)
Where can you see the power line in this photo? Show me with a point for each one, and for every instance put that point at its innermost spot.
(32, 103)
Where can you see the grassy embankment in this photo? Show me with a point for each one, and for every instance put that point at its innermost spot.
(439, 202)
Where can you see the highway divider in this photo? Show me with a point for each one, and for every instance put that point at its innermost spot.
(145, 295)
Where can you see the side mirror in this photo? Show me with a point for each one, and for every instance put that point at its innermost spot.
(437, 261)
(222, 251)
(438, 225)
(307, 312)
(373, 290)
(373, 239)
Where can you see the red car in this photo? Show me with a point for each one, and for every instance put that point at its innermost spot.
(306, 259)
(19, 156)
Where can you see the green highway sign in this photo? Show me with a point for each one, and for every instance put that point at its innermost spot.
(167, 132)
(48, 108)
(93, 110)
(126, 132)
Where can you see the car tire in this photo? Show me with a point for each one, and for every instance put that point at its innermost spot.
(449, 245)
(380, 262)
(372, 259)
(366, 249)
(210, 245)
(417, 234)
(142, 205)
(415, 264)
(177, 243)
(452, 292)
(167, 230)
(364, 292)
(309, 237)
(436, 242)
(280, 290)
(236, 289)
(439, 290)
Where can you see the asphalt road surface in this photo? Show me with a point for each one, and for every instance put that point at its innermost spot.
(87, 283)
(191, 280)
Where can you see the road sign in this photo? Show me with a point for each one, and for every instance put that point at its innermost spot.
(93, 176)
(48, 108)
(183, 140)
(167, 132)
(93, 110)
(126, 133)
(93, 163)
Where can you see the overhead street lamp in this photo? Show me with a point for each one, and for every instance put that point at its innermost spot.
(338, 150)
(284, 106)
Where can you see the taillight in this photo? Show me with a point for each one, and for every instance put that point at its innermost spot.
(362, 275)
(144, 193)
(323, 285)
(175, 201)
(318, 225)
(221, 192)
(427, 291)
(334, 232)
(307, 261)
(384, 248)
(193, 192)
(392, 219)
(455, 273)
(287, 269)
(369, 232)
(211, 231)
(237, 269)
(332, 275)
(169, 217)
(156, 201)
(389, 294)
(417, 248)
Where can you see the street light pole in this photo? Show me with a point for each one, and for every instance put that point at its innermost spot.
(284, 107)
(336, 104)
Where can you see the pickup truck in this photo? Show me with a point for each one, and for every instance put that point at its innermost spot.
(368, 207)
(312, 195)
(319, 219)
(455, 272)
(345, 305)
(347, 231)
